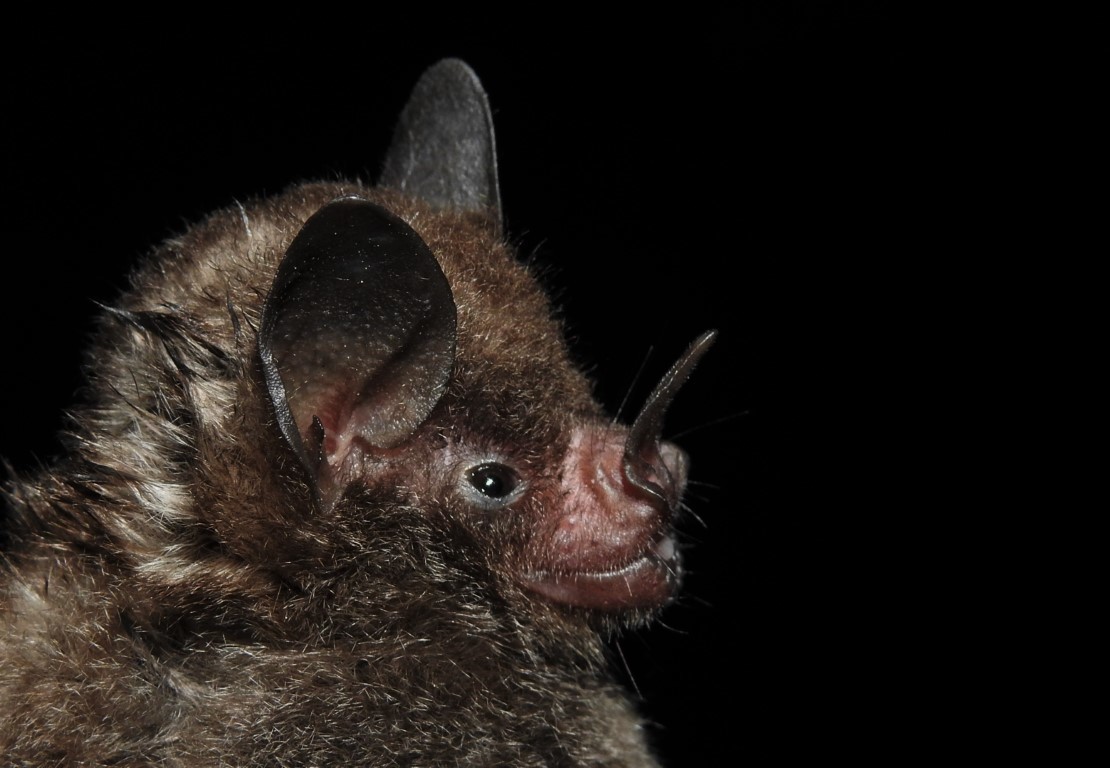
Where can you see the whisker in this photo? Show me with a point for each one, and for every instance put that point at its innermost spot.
(702, 485)
(713, 423)
(628, 669)
(691, 599)
(687, 511)
(664, 625)
(632, 385)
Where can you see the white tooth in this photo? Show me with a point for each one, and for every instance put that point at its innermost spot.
(665, 549)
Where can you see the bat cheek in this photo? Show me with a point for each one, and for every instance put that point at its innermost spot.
(600, 526)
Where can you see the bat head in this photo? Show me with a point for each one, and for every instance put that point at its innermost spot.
(417, 358)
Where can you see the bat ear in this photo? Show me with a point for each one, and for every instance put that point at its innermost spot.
(443, 148)
(357, 338)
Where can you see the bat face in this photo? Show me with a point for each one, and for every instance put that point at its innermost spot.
(365, 352)
(343, 423)
(365, 359)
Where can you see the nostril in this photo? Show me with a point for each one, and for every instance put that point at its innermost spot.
(659, 473)
(676, 461)
(645, 477)
(676, 467)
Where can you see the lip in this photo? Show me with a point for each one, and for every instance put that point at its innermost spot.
(648, 581)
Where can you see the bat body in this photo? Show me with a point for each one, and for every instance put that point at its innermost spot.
(336, 494)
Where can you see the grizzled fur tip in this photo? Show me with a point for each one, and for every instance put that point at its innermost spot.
(338, 495)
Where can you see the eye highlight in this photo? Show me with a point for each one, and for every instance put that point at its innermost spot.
(494, 481)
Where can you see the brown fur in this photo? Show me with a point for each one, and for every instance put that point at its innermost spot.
(171, 595)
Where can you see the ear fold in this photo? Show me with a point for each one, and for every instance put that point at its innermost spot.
(357, 338)
(443, 147)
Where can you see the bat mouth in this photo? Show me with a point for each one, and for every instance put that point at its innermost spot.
(647, 581)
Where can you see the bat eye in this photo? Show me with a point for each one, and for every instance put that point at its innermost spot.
(494, 481)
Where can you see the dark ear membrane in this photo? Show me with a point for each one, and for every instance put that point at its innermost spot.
(443, 148)
(358, 334)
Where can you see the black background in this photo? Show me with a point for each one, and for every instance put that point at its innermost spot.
(725, 168)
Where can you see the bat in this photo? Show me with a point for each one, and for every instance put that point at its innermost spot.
(336, 493)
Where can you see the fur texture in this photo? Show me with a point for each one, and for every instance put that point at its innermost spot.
(174, 593)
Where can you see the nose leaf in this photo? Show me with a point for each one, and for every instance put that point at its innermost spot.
(645, 466)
